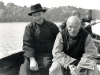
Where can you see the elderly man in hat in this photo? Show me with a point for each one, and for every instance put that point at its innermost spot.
(74, 51)
(38, 41)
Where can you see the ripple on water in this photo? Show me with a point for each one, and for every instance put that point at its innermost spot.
(11, 35)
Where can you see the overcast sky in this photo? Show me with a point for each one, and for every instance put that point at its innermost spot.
(88, 4)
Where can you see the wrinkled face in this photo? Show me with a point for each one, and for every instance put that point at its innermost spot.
(73, 28)
(38, 17)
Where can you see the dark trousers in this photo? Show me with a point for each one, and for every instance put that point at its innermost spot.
(44, 61)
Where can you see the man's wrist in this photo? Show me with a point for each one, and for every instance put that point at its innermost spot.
(79, 68)
(32, 58)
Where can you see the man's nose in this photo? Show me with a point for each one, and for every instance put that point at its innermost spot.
(73, 29)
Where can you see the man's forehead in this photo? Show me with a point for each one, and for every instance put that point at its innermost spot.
(73, 20)
(73, 25)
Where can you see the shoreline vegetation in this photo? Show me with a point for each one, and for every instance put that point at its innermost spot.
(15, 13)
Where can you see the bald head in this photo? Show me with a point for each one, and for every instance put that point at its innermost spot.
(73, 25)
(74, 20)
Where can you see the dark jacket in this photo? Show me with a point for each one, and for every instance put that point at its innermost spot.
(89, 28)
(39, 38)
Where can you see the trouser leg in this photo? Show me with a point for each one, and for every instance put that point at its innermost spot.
(44, 63)
(56, 69)
(91, 72)
(24, 69)
(94, 72)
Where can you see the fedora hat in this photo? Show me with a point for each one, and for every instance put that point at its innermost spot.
(36, 8)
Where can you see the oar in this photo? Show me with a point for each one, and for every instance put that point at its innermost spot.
(89, 24)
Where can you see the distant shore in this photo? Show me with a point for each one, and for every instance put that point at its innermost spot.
(15, 13)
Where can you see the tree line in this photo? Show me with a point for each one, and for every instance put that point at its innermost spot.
(14, 13)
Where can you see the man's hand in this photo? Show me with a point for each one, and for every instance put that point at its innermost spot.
(87, 24)
(93, 22)
(90, 24)
(74, 70)
(33, 64)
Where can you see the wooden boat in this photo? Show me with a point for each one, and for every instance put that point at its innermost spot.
(10, 64)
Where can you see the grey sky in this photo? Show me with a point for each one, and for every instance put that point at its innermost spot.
(88, 4)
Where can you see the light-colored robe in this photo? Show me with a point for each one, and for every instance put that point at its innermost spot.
(87, 60)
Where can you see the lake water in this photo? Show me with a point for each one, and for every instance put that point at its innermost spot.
(11, 35)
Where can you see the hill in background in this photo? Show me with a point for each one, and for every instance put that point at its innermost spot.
(14, 13)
